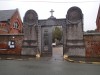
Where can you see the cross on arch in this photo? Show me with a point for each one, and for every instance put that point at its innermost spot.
(51, 12)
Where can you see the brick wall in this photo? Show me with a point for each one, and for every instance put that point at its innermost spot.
(92, 44)
(3, 28)
(4, 48)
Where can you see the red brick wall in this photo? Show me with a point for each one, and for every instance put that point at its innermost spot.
(15, 18)
(92, 45)
(4, 49)
(3, 28)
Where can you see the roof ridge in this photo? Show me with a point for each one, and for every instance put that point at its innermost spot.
(8, 9)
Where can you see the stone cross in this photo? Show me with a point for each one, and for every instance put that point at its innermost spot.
(51, 12)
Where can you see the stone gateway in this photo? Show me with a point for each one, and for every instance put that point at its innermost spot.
(38, 33)
(34, 36)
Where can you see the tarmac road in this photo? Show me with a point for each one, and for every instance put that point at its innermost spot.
(46, 66)
(54, 65)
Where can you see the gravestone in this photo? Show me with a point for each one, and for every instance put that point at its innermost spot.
(30, 29)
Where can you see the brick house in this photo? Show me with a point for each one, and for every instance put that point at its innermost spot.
(98, 20)
(10, 32)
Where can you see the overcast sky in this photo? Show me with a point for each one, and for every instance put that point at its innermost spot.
(42, 7)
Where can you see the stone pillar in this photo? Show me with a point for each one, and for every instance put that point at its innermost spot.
(39, 38)
(74, 37)
(30, 42)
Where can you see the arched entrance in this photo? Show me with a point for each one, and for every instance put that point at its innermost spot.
(47, 27)
(72, 27)
(40, 34)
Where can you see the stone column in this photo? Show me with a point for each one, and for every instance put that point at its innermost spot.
(74, 37)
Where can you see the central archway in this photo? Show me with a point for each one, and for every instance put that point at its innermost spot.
(47, 27)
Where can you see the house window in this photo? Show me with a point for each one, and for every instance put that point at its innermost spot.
(15, 25)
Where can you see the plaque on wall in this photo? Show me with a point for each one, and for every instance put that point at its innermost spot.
(11, 44)
(31, 17)
(74, 15)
